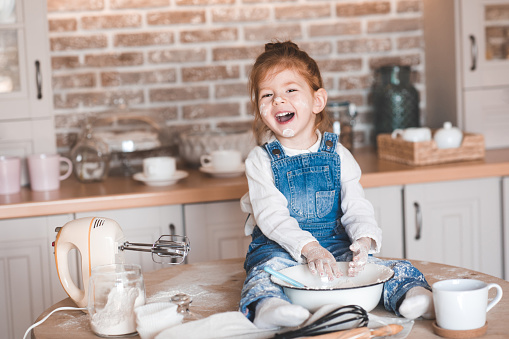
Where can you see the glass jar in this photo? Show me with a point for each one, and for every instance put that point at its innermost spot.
(114, 291)
(395, 99)
(342, 115)
(90, 158)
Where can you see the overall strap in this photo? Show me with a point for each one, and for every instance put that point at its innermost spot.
(275, 150)
(329, 142)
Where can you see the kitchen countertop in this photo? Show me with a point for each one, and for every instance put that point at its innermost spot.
(215, 287)
(124, 192)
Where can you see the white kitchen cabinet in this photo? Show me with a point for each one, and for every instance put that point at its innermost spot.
(27, 272)
(505, 215)
(467, 66)
(456, 223)
(387, 203)
(216, 231)
(144, 225)
(26, 99)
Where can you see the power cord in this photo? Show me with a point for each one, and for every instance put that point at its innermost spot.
(46, 317)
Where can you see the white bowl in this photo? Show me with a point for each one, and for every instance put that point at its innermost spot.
(364, 290)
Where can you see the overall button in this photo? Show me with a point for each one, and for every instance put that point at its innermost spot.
(328, 143)
(276, 151)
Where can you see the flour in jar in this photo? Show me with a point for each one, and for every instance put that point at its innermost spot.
(118, 317)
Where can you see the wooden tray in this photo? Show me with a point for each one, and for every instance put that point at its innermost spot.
(427, 152)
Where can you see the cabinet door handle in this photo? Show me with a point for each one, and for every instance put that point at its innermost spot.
(473, 52)
(418, 221)
(38, 79)
(172, 229)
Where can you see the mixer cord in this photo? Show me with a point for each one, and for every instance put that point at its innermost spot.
(46, 317)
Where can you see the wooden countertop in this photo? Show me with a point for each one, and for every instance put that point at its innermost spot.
(125, 192)
(215, 287)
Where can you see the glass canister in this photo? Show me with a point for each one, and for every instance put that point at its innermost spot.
(395, 99)
(342, 115)
(114, 292)
(90, 157)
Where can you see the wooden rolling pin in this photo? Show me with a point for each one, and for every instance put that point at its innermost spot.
(361, 333)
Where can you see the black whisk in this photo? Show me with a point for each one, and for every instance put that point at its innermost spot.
(353, 315)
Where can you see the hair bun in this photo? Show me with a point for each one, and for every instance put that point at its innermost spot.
(271, 46)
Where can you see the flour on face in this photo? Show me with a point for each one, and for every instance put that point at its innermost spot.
(263, 110)
(288, 133)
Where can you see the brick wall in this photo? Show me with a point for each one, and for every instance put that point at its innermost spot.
(185, 62)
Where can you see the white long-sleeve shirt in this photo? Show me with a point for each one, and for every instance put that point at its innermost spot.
(269, 207)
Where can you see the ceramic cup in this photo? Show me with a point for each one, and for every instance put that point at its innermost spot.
(413, 134)
(44, 171)
(462, 304)
(159, 168)
(222, 161)
(10, 175)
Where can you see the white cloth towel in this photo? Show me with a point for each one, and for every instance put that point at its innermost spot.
(161, 321)
(151, 319)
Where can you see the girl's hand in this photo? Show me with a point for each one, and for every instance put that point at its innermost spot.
(360, 249)
(320, 260)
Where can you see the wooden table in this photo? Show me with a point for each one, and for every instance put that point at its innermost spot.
(215, 287)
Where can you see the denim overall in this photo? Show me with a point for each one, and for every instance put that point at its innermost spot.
(311, 183)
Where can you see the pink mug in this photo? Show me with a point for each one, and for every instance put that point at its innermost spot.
(44, 170)
(10, 174)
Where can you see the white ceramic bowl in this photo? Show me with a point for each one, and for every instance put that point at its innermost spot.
(364, 290)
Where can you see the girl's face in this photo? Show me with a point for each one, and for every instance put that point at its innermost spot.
(288, 106)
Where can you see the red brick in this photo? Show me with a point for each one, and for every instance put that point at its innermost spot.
(405, 6)
(92, 99)
(404, 60)
(316, 48)
(178, 55)
(114, 59)
(207, 73)
(270, 32)
(78, 42)
(206, 35)
(59, 102)
(236, 53)
(62, 25)
(340, 28)
(237, 14)
(203, 2)
(62, 62)
(363, 8)
(364, 45)
(179, 93)
(211, 110)
(143, 39)
(302, 11)
(74, 5)
(410, 42)
(231, 90)
(120, 4)
(111, 21)
(340, 65)
(73, 81)
(355, 82)
(138, 78)
(394, 25)
(176, 17)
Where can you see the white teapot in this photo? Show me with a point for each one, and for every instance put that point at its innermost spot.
(448, 136)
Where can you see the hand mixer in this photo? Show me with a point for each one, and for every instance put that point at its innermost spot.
(100, 241)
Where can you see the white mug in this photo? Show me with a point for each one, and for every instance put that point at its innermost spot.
(44, 171)
(413, 134)
(222, 161)
(462, 304)
(159, 168)
(10, 175)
